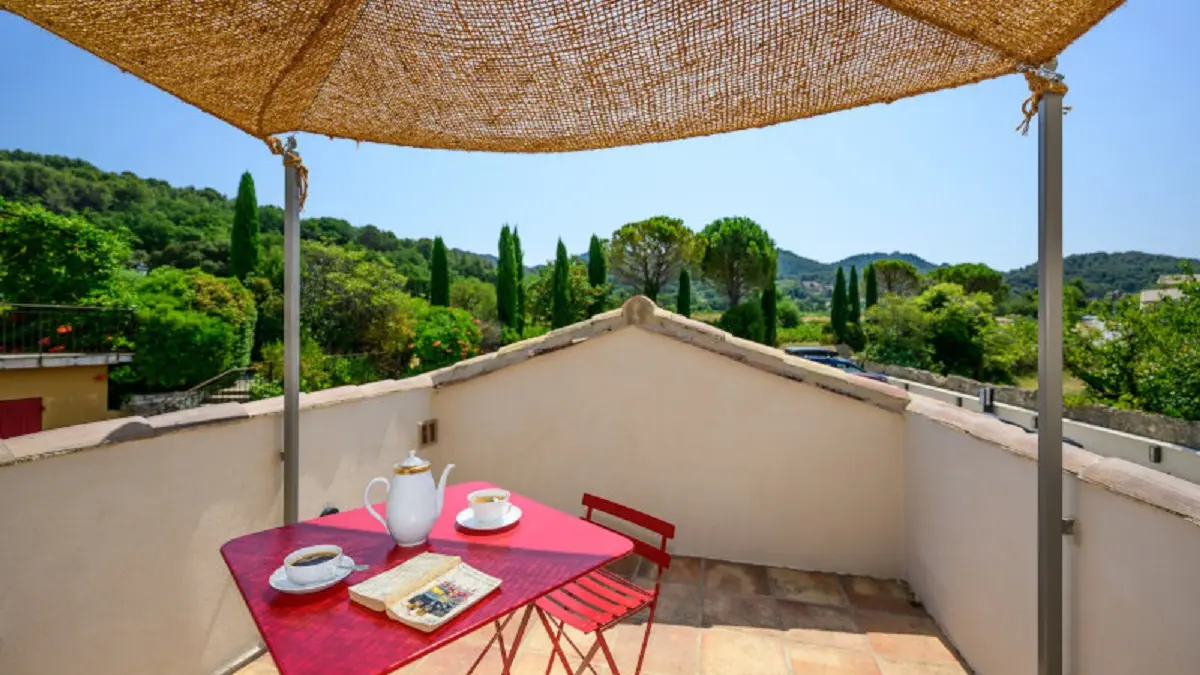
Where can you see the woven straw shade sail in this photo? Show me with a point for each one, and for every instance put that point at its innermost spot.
(554, 75)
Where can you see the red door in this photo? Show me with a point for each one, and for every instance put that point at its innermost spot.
(20, 416)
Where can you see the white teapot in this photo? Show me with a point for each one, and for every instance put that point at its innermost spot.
(413, 503)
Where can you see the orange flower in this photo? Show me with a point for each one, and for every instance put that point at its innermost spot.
(437, 343)
(57, 348)
(63, 330)
(476, 321)
(44, 341)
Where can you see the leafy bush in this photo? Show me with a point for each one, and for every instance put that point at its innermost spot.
(444, 335)
(191, 326)
(895, 330)
(745, 321)
(789, 313)
(318, 370)
(1010, 350)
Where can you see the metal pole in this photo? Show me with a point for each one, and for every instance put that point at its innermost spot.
(291, 340)
(1050, 367)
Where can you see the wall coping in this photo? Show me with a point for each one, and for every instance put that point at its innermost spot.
(640, 312)
(1139, 483)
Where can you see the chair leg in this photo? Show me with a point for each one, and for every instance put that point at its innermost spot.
(555, 645)
(646, 637)
(587, 660)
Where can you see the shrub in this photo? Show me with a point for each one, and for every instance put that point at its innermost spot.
(745, 321)
(444, 335)
(803, 333)
(191, 326)
(789, 313)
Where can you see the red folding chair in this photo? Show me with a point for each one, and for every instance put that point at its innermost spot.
(597, 601)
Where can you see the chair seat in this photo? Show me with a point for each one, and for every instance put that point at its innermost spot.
(595, 600)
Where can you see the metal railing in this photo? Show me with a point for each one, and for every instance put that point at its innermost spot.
(232, 385)
(68, 329)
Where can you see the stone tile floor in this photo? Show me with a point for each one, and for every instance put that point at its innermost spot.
(722, 618)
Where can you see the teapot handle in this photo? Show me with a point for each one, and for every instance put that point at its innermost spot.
(367, 499)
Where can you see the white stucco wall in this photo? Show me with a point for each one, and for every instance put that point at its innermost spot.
(1132, 592)
(749, 466)
(111, 562)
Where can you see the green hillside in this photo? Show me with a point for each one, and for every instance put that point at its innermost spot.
(1102, 273)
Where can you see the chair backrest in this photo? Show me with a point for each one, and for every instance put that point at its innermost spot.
(666, 531)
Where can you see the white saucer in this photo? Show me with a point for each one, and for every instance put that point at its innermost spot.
(280, 582)
(466, 519)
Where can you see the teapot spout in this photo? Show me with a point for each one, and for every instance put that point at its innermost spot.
(441, 488)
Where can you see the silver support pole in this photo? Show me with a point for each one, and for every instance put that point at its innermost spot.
(1050, 375)
(291, 341)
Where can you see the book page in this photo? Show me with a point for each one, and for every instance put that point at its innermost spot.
(378, 591)
(442, 599)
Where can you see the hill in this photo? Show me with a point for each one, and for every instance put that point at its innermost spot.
(1126, 272)
(189, 227)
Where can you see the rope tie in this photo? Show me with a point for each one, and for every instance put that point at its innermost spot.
(1038, 87)
(290, 158)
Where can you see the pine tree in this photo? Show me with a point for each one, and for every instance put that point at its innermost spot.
(837, 308)
(439, 275)
(506, 280)
(243, 241)
(872, 286)
(597, 273)
(560, 310)
(853, 307)
(683, 301)
(519, 270)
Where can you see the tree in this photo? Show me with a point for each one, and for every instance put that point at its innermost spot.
(439, 270)
(897, 276)
(770, 315)
(838, 307)
(597, 272)
(683, 299)
(853, 308)
(872, 285)
(351, 300)
(475, 296)
(581, 293)
(519, 269)
(973, 277)
(506, 280)
(957, 323)
(648, 253)
(738, 257)
(560, 313)
(48, 258)
(896, 329)
(243, 238)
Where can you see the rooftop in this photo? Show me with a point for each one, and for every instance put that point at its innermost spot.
(725, 618)
(883, 500)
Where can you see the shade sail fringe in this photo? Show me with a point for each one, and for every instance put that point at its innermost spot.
(291, 158)
(1038, 86)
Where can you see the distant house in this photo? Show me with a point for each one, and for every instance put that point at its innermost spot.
(1167, 287)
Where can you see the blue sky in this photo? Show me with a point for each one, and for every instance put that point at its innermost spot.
(941, 175)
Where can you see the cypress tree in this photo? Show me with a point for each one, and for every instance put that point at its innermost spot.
(837, 309)
(506, 280)
(439, 275)
(872, 286)
(560, 311)
(243, 240)
(683, 301)
(597, 273)
(854, 308)
(770, 315)
(519, 273)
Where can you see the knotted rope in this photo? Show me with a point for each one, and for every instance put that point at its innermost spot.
(1038, 87)
(290, 158)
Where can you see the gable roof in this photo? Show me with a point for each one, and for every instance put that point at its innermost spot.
(641, 313)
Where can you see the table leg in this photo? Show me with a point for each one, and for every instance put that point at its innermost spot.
(506, 656)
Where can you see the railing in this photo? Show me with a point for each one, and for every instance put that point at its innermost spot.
(232, 385)
(51, 329)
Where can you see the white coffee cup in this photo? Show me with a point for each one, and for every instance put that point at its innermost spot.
(490, 505)
(313, 564)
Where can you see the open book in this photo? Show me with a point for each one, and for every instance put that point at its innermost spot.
(426, 591)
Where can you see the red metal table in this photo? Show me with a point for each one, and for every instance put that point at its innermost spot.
(325, 633)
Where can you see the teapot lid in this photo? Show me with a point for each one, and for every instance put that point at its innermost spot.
(411, 465)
